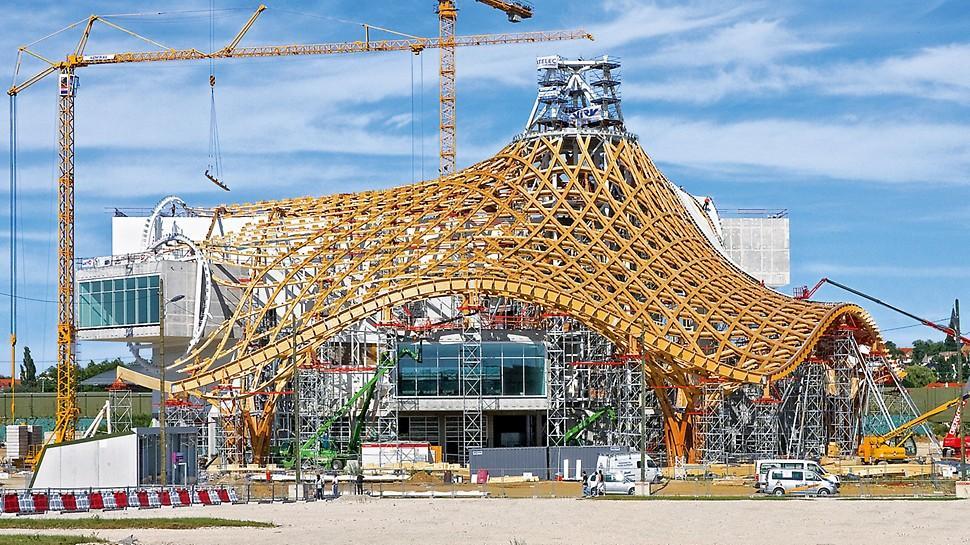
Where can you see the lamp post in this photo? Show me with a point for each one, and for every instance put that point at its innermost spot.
(162, 439)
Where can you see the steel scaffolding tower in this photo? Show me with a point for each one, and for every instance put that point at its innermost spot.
(713, 419)
(807, 438)
(843, 417)
(388, 404)
(119, 397)
(471, 381)
(764, 430)
(628, 413)
(556, 417)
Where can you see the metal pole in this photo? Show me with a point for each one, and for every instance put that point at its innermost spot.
(643, 411)
(963, 438)
(162, 439)
(296, 406)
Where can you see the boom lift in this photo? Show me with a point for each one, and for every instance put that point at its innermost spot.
(317, 450)
(67, 411)
(573, 433)
(889, 446)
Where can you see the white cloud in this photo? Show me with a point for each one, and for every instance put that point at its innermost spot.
(877, 151)
(744, 42)
(937, 73)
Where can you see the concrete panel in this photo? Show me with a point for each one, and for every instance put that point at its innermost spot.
(760, 247)
(107, 462)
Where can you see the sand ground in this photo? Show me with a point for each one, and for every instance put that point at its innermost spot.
(352, 521)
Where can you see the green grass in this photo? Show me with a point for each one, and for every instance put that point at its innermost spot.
(98, 523)
(47, 540)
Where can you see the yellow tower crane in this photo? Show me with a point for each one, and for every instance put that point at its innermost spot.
(447, 18)
(67, 408)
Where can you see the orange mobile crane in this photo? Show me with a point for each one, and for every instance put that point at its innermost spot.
(67, 408)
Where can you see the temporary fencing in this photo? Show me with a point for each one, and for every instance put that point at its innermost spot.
(27, 502)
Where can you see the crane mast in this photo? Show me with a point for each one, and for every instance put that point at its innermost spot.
(67, 408)
(447, 114)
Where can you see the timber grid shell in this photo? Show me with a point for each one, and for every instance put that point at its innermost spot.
(580, 222)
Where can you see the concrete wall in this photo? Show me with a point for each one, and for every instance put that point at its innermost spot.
(759, 246)
(108, 462)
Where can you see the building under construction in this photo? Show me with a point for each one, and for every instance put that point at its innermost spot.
(563, 291)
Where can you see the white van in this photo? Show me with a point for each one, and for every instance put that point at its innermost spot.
(628, 463)
(780, 482)
(761, 468)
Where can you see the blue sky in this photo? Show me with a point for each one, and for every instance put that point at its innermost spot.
(856, 119)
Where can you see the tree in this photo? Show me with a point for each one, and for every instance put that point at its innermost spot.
(918, 376)
(28, 371)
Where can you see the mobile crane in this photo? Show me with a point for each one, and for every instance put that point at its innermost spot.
(318, 450)
(888, 447)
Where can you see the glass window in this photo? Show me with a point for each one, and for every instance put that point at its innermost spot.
(534, 359)
(797, 475)
(777, 475)
(117, 302)
(509, 369)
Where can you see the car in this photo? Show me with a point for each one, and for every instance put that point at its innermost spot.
(783, 482)
(613, 483)
(763, 466)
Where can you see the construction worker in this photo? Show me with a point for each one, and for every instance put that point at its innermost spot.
(319, 486)
(585, 478)
(335, 486)
(360, 484)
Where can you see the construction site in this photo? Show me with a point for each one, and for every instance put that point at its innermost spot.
(511, 321)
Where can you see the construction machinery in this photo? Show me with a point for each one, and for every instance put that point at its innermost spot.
(67, 408)
(889, 447)
(804, 293)
(318, 451)
(573, 433)
(447, 18)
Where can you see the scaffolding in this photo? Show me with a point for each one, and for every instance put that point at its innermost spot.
(119, 398)
(471, 381)
(556, 417)
(843, 361)
(764, 428)
(712, 422)
(807, 438)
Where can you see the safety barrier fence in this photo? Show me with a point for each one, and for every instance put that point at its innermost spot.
(39, 501)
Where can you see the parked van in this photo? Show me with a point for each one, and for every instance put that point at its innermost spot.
(761, 467)
(780, 482)
(628, 463)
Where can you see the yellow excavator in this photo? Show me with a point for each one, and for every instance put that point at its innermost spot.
(889, 446)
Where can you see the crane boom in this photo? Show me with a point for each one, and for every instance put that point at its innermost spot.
(67, 407)
(805, 293)
(903, 428)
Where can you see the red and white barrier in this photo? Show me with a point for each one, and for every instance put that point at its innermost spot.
(25, 502)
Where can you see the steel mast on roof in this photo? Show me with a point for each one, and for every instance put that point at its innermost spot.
(67, 409)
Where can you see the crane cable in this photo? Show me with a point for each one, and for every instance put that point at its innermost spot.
(214, 168)
(13, 256)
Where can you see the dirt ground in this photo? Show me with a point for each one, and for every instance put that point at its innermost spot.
(356, 521)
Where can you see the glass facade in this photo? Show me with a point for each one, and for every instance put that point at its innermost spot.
(115, 302)
(508, 369)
